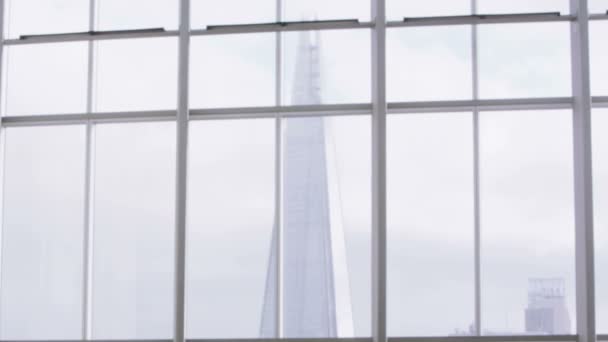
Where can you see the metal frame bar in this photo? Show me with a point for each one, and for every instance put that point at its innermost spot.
(506, 338)
(599, 101)
(87, 288)
(297, 26)
(80, 37)
(300, 111)
(92, 32)
(603, 16)
(278, 24)
(278, 176)
(378, 184)
(476, 189)
(71, 119)
(181, 172)
(583, 174)
(480, 20)
(282, 27)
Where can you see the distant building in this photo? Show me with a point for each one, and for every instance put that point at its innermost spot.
(547, 312)
(314, 277)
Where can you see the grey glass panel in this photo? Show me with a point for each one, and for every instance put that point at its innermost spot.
(27, 17)
(430, 224)
(398, 9)
(527, 223)
(137, 14)
(599, 57)
(295, 10)
(335, 64)
(42, 233)
(600, 198)
(133, 231)
(232, 71)
(523, 6)
(137, 74)
(429, 63)
(230, 12)
(524, 60)
(46, 79)
(598, 6)
(230, 227)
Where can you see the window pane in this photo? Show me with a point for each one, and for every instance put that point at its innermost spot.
(233, 71)
(137, 14)
(527, 223)
(227, 12)
(42, 233)
(55, 84)
(429, 63)
(598, 6)
(326, 67)
(524, 60)
(138, 74)
(134, 225)
(230, 227)
(599, 58)
(600, 193)
(26, 17)
(430, 224)
(523, 6)
(398, 9)
(326, 227)
(296, 10)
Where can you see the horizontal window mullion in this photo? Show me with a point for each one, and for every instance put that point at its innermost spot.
(94, 36)
(63, 119)
(282, 27)
(480, 20)
(481, 105)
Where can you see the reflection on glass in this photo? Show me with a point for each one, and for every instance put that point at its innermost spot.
(429, 63)
(600, 202)
(46, 79)
(524, 60)
(136, 14)
(230, 225)
(232, 71)
(27, 17)
(136, 74)
(333, 64)
(430, 224)
(133, 230)
(326, 227)
(42, 233)
(527, 223)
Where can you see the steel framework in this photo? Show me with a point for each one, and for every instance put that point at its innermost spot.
(580, 103)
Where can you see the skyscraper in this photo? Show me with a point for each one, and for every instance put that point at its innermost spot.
(547, 312)
(316, 293)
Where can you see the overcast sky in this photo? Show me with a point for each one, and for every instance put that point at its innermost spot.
(525, 165)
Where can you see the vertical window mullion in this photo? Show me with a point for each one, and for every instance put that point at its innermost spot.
(181, 170)
(88, 204)
(476, 197)
(379, 104)
(278, 218)
(583, 191)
